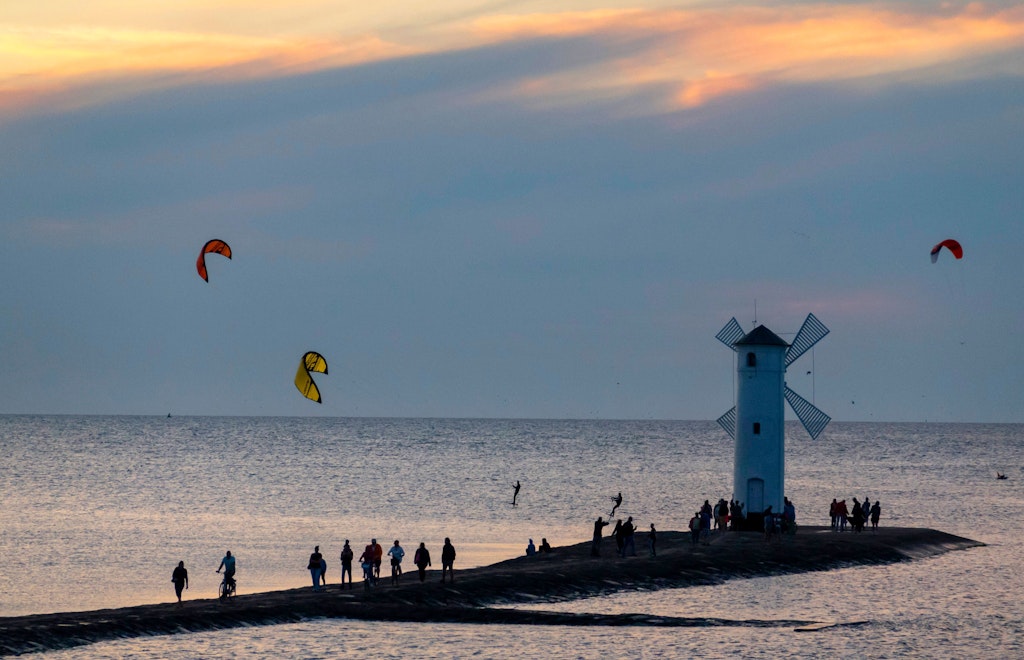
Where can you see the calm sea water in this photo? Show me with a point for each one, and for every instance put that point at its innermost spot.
(97, 511)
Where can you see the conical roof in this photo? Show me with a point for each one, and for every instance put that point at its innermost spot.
(761, 336)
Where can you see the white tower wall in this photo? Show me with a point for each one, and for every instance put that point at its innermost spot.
(759, 467)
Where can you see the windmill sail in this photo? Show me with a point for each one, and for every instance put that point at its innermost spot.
(728, 422)
(731, 333)
(811, 332)
(814, 420)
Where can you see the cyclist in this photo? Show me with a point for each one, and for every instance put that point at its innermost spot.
(228, 564)
(396, 553)
(366, 561)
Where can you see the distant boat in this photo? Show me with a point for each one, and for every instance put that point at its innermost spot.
(1000, 475)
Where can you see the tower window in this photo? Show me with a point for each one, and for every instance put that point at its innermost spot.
(757, 428)
(751, 360)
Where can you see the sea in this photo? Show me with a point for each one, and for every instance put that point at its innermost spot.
(98, 510)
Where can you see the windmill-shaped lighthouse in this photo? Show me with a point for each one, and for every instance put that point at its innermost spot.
(756, 422)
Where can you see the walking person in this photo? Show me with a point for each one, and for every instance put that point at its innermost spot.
(346, 564)
(448, 560)
(422, 560)
(315, 558)
(180, 579)
(876, 513)
(652, 540)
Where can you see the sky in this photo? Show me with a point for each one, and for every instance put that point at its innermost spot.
(509, 209)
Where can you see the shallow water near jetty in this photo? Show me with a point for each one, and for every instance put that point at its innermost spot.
(109, 505)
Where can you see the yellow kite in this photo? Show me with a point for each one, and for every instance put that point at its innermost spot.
(311, 361)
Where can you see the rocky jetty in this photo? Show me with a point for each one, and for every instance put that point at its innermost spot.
(569, 572)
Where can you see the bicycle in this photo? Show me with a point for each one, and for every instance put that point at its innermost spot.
(227, 588)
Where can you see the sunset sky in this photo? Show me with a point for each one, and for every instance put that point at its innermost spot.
(509, 209)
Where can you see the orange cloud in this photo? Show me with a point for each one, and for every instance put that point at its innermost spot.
(42, 63)
(708, 53)
(687, 57)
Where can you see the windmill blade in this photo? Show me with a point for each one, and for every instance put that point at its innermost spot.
(811, 332)
(731, 333)
(728, 422)
(813, 419)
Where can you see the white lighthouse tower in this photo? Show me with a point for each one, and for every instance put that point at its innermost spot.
(757, 421)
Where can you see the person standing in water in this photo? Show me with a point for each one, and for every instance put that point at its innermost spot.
(515, 492)
(180, 579)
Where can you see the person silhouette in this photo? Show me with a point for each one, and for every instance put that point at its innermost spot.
(180, 579)
(595, 547)
(515, 492)
(346, 564)
(448, 560)
(618, 503)
(422, 560)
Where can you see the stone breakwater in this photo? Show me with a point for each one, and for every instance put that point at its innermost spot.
(569, 572)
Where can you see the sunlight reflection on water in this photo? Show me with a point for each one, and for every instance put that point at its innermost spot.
(94, 499)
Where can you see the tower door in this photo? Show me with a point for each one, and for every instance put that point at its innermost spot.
(755, 495)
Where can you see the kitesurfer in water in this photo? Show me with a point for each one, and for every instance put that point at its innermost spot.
(515, 492)
(618, 502)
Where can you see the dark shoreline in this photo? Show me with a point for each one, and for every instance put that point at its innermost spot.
(567, 573)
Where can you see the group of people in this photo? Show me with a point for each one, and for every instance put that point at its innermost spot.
(544, 549)
(624, 535)
(856, 515)
(370, 562)
(722, 516)
(776, 524)
(373, 556)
